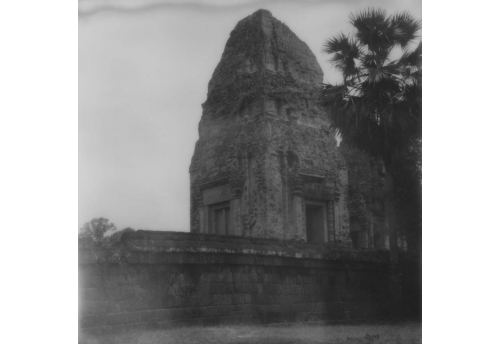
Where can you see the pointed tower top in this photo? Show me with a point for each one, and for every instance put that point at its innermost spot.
(260, 44)
(262, 12)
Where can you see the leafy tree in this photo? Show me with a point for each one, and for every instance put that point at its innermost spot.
(378, 106)
(95, 229)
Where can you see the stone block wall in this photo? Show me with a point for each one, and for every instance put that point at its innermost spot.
(167, 278)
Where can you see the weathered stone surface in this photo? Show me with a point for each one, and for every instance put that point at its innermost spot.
(282, 281)
(265, 147)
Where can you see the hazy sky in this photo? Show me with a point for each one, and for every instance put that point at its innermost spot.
(144, 68)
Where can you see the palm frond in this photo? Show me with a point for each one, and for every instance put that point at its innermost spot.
(413, 58)
(378, 107)
(345, 51)
(339, 43)
(369, 17)
(331, 96)
(405, 28)
(370, 24)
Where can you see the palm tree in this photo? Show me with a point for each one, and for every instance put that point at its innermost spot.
(378, 106)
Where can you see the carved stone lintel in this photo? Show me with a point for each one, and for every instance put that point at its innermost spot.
(210, 182)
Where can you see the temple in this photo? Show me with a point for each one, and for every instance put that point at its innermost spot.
(278, 235)
(267, 163)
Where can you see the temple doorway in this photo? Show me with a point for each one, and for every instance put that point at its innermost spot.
(316, 222)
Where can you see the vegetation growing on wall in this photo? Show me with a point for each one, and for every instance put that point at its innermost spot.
(101, 231)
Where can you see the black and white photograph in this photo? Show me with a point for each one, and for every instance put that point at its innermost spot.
(249, 171)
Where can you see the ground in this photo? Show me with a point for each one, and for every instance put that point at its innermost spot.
(405, 333)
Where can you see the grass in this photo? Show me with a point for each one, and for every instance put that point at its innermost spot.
(408, 333)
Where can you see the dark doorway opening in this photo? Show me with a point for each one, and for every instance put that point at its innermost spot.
(315, 223)
(219, 218)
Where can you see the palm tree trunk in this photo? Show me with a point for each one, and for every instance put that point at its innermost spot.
(390, 210)
(396, 291)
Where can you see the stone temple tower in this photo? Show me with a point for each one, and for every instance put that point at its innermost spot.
(266, 163)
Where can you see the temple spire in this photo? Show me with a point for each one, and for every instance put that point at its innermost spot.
(265, 163)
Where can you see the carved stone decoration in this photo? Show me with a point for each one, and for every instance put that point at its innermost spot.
(262, 135)
(237, 179)
(296, 184)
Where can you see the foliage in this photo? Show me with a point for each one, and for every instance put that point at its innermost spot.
(378, 106)
(95, 229)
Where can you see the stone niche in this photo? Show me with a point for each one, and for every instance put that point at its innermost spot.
(219, 211)
(320, 204)
(218, 208)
